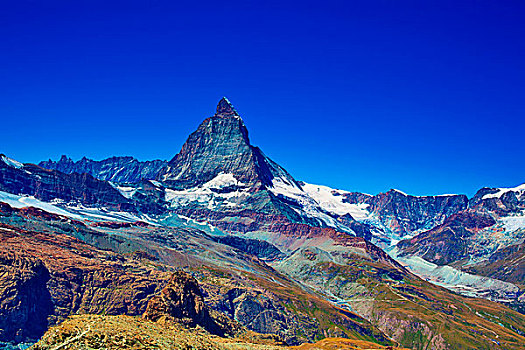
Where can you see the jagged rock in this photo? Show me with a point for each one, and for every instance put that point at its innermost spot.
(220, 145)
(181, 302)
(46, 185)
(500, 201)
(83, 188)
(115, 169)
(448, 242)
(405, 214)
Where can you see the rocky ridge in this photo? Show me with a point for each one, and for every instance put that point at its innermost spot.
(114, 169)
(48, 185)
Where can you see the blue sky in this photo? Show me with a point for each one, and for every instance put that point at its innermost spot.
(424, 96)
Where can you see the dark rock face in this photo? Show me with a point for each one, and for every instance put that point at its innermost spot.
(510, 202)
(506, 264)
(45, 277)
(449, 242)
(261, 249)
(115, 169)
(26, 302)
(47, 185)
(259, 313)
(181, 301)
(220, 145)
(405, 214)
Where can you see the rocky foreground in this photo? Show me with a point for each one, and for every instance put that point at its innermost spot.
(127, 332)
(177, 318)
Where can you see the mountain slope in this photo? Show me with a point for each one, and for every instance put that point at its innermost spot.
(48, 185)
(398, 302)
(114, 267)
(220, 146)
(486, 239)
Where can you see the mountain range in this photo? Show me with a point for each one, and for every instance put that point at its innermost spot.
(271, 254)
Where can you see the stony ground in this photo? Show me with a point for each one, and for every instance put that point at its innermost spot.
(87, 332)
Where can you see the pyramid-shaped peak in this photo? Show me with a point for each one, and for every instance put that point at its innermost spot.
(226, 108)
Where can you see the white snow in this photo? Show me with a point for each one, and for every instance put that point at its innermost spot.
(126, 191)
(306, 205)
(30, 201)
(513, 223)
(222, 180)
(332, 200)
(437, 195)
(208, 194)
(11, 162)
(403, 193)
(309, 205)
(286, 188)
(77, 212)
(502, 191)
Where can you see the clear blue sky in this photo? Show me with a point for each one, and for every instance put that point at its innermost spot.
(424, 96)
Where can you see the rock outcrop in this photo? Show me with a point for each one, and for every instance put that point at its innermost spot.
(45, 277)
(500, 201)
(181, 302)
(449, 242)
(25, 302)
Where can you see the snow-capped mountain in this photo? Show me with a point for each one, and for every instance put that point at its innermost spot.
(487, 239)
(302, 259)
(48, 185)
(72, 190)
(218, 171)
(502, 201)
(114, 169)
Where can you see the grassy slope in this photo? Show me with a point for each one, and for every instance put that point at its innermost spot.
(465, 323)
(83, 332)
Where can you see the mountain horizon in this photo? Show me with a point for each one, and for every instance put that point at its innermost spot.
(227, 107)
(221, 207)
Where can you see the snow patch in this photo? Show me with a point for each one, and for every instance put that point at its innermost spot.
(77, 212)
(210, 193)
(332, 200)
(126, 191)
(30, 201)
(306, 204)
(11, 162)
(222, 180)
(513, 223)
(502, 191)
(401, 192)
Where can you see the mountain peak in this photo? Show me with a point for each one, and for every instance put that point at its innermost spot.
(225, 108)
(220, 145)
